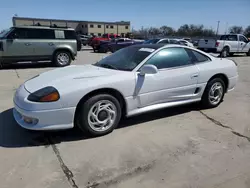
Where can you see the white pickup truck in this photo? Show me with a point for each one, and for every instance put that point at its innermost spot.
(232, 43)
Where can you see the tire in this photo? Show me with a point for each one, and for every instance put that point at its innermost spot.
(62, 58)
(248, 53)
(225, 52)
(88, 113)
(206, 99)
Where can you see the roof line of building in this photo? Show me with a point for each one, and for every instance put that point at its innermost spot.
(77, 21)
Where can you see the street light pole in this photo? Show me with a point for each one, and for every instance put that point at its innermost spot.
(218, 25)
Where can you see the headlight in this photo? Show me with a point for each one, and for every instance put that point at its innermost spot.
(47, 94)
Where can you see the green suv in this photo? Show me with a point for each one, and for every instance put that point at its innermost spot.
(38, 43)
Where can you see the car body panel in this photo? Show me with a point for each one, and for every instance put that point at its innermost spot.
(166, 88)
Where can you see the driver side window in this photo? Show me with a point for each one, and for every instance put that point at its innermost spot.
(243, 39)
(170, 58)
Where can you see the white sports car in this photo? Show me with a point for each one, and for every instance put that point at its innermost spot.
(133, 80)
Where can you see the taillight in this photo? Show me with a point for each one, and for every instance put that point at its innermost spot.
(217, 44)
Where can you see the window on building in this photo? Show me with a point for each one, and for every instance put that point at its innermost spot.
(107, 26)
(126, 27)
(112, 27)
(82, 26)
(99, 34)
(92, 34)
(99, 26)
(91, 26)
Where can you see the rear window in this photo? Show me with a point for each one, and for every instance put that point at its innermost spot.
(69, 34)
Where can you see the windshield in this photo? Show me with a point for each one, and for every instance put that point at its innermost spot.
(125, 59)
(4, 32)
(151, 41)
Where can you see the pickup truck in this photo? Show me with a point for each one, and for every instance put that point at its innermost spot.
(232, 43)
(95, 43)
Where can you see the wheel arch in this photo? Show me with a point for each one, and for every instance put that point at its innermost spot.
(113, 92)
(223, 77)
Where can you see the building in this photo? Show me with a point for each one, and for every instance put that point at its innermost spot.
(82, 27)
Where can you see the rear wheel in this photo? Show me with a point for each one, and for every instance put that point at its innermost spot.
(62, 58)
(225, 52)
(99, 115)
(214, 93)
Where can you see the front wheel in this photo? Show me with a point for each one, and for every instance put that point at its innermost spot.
(99, 115)
(248, 53)
(214, 93)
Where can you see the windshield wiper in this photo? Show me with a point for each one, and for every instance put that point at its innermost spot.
(108, 66)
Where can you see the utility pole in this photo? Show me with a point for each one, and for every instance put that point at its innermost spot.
(218, 25)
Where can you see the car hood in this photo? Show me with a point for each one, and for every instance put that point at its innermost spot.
(66, 75)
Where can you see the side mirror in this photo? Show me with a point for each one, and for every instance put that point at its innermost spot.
(148, 69)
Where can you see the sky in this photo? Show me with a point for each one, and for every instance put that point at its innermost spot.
(141, 13)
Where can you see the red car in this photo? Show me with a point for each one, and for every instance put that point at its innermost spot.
(95, 43)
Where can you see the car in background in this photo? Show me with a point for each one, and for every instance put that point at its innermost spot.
(131, 81)
(162, 41)
(117, 44)
(233, 43)
(38, 43)
(207, 45)
(95, 43)
(185, 42)
(84, 39)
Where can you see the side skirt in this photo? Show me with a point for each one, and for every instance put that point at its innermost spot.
(160, 106)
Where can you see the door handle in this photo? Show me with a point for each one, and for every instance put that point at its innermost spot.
(194, 76)
(27, 44)
(51, 44)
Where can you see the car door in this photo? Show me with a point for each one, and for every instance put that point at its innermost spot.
(18, 46)
(243, 44)
(176, 78)
(44, 42)
(233, 42)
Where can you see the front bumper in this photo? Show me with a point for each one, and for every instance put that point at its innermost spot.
(40, 116)
(46, 119)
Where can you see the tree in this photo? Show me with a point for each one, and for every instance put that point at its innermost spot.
(184, 30)
(208, 33)
(247, 31)
(236, 30)
(167, 31)
(154, 31)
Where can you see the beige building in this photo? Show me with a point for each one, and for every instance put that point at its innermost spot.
(83, 27)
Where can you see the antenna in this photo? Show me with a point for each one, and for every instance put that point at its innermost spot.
(224, 39)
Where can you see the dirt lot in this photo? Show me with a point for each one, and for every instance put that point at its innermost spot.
(182, 147)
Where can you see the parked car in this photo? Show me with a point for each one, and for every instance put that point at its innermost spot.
(131, 81)
(185, 42)
(232, 43)
(207, 45)
(84, 39)
(37, 43)
(162, 41)
(117, 44)
(95, 43)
